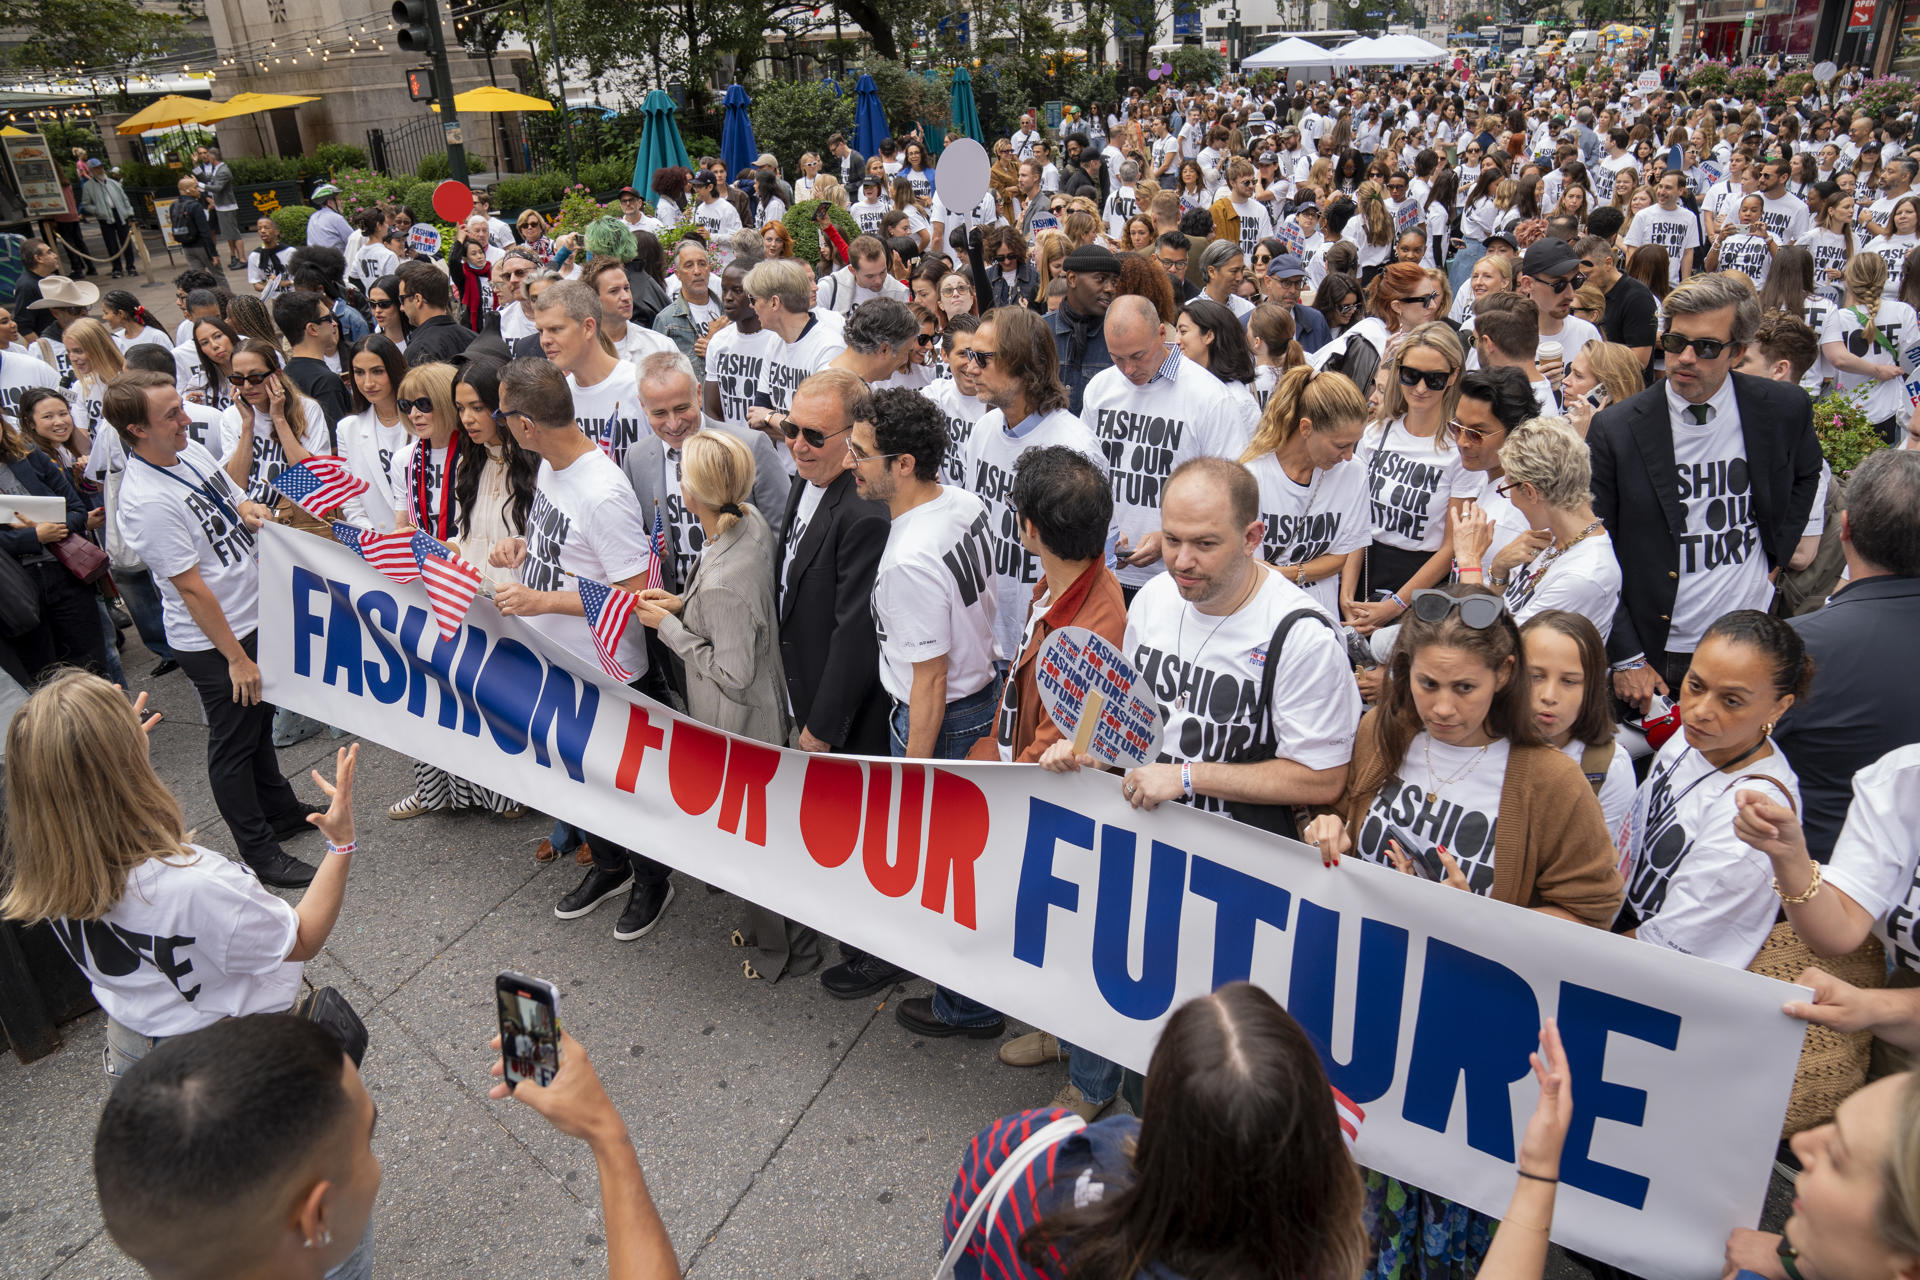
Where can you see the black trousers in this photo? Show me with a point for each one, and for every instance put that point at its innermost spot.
(119, 245)
(242, 765)
(69, 631)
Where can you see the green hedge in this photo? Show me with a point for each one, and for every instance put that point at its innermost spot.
(806, 236)
(528, 190)
(292, 221)
(435, 167)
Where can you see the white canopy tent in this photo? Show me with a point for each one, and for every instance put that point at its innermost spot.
(1290, 54)
(1409, 49)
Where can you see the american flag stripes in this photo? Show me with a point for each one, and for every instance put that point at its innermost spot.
(390, 553)
(656, 552)
(319, 485)
(608, 611)
(451, 586)
(1348, 1112)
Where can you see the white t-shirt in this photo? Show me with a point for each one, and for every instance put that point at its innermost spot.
(737, 365)
(1897, 326)
(792, 363)
(1584, 579)
(269, 459)
(1829, 249)
(187, 944)
(1145, 432)
(586, 520)
(639, 342)
(1616, 789)
(1893, 250)
(1256, 225)
(931, 596)
(1326, 516)
(1787, 218)
(718, 218)
(1606, 175)
(1207, 680)
(515, 323)
(1695, 886)
(1876, 860)
(187, 516)
(1121, 205)
(867, 215)
(372, 262)
(609, 411)
(1722, 567)
(369, 449)
(984, 214)
(1748, 255)
(17, 373)
(988, 459)
(1410, 480)
(1466, 783)
(1678, 232)
(961, 412)
(404, 475)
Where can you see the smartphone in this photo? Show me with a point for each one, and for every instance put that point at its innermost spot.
(529, 1028)
(1597, 397)
(1424, 860)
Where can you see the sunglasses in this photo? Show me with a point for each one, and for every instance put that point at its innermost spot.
(814, 436)
(926, 339)
(977, 358)
(1573, 281)
(250, 379)
(1706, 348)
(1421, 299)
(1472, 435)
(423, 404)
(1477, 611)
(1436, 379)
(1010, 257)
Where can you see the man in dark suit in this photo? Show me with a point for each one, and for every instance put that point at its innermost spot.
(1855, 714)
(848, 164)
(825, 578)
(1705, 482)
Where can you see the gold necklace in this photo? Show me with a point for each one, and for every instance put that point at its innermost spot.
(1435, 781)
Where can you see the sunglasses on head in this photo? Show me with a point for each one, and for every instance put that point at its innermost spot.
(1436, 379)
(250, 379)
(1706, 348)
(424, 404)
(814, 436)
(1477, 611)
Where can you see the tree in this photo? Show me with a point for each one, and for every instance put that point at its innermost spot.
(63, 34)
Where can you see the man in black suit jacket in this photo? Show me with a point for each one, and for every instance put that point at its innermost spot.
(1704, 481)
(828, 560)
(848, 164)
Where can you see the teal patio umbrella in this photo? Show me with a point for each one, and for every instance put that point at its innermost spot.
(966, 115)
(660, 144)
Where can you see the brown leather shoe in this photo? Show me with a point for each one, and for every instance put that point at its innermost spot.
(584, 854)
(546, 852)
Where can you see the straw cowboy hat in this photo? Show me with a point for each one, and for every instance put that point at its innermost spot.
(59, 291)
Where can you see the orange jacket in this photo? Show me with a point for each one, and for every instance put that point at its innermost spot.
(1094, 602)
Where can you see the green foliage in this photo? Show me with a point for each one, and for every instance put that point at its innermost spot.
(63, 136)
(577, 209)
(135, 176)
(69, 33)
(292, 221)
(806, 236)
(361, 189)
(1747, 82)
(700, 144)
(1840, 420)
(1884, 95)
(436, 167)
(251, 170)
(905, 96)
(1196, 64)
(1711, 77)
(791, 118)
(331, 157)
(607, 175)
(528, 191)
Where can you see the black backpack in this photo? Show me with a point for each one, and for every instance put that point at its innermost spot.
(180, 222)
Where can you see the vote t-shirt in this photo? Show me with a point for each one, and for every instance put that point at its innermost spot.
(1465, 783)
(193, 939)
(1893, 338)
(187, 516)
(1583, 579)
(988, 458)
(1328, 515)
(1722, 566)
(1410, 480)
(1205, 672)
(1692, 883)
(243, 427)
(586, 521)
(792, 363)
(961, 411)
(1876, 860)
(931, 596)
(369, 449)
(609, 411)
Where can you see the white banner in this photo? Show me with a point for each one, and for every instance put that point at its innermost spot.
(1053, 900)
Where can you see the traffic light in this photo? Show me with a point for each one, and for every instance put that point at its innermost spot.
(420, 84)
(417, 22)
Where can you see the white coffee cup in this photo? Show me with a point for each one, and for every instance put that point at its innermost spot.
(1548, 353)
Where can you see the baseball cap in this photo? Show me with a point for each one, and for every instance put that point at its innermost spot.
(1267, 158)
(629, 191)
(96, 163)
(765, 160)
(1287, 266)
(1308, 207)
(871, 180)
(1504, 237)
(1549, 256)
(705, 178)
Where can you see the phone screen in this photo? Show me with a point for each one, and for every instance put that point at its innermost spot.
(529, 1028)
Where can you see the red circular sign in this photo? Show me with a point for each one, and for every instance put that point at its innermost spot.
(453, 201)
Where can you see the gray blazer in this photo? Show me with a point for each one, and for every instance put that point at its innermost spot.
(728, 636)
(645, 467)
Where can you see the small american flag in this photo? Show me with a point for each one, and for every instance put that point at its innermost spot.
(608, 610)
(391, 553)
(656, 552)
(451, 586)
(319, 485)
(1348, 1112)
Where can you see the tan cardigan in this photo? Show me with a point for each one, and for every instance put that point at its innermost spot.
(1550, 840)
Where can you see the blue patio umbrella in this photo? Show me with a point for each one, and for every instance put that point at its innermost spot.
(737, 147)
(869, 121)
(660, 144)
(966, 115)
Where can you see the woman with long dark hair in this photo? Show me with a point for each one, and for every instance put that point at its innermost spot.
(375, 433)
(383, 300)
(1338, 299)
(1213, 338)
(270, 425)
(208, 381)
(69, 630)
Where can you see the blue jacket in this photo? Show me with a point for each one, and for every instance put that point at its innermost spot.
(1075, 373)
(1310, 328)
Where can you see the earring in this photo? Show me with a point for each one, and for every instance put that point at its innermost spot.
(326, 1238)
(1766, 730)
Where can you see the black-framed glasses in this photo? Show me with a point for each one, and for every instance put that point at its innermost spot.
(926, 339)
(1477, 611)
(424, 404)
(977, 358)
(814, 436)
(250, 379)
(1472, 435)
(1436, 379)
(1573, 281)
(381, 304)
(1706, 348)
(1421, 299)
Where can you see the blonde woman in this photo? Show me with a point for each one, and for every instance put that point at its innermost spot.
(96, 361)
(1602, 373)
(270, 425)
(1414, 478)
(1371, 230)
(1489, 275)
(1877, 378)
(727, 632)
(1050, 249)
(1313, 495)
(105, 857)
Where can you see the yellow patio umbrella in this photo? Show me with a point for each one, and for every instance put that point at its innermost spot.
(169, 112)
(493, 98)
(11, 132)
(245, 104)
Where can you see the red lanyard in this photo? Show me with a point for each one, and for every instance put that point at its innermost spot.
(422, 461)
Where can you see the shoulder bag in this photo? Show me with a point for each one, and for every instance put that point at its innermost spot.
(987, 1204)
(1277, 818)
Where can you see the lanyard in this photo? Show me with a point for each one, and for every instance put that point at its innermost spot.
(422, 465)
(205, 488)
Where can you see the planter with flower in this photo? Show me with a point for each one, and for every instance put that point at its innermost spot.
(1840, 420)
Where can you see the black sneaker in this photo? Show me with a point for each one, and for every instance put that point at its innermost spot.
(166, 668)
(917, 1016)
(287, 826)
(644, 909)
(592, 891)
(865, 975)
(283, 871)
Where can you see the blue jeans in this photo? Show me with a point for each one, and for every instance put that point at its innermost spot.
(1096, 1078)
(142, 599)
(965, 721)
(110, 634)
